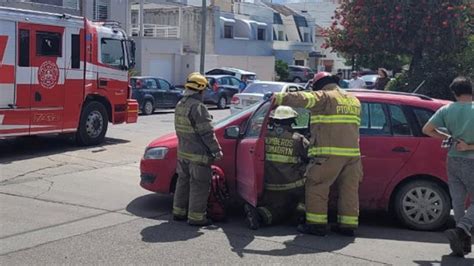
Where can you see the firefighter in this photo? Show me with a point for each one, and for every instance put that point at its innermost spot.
(197, 149)
(285, 164)
(334, 154)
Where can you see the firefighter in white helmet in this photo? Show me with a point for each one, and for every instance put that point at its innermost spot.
(285, 164)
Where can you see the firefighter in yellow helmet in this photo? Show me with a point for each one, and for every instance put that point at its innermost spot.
(334, 152)
(197, 149)
(286, 156)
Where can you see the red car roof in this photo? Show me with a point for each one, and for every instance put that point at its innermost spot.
(400, 98)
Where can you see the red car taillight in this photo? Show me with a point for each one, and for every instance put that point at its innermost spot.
(235, 100)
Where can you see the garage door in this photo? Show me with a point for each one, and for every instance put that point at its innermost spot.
(162, 66)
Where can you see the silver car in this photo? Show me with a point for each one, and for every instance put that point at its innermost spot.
(256, 92)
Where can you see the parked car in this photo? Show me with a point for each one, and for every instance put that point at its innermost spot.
(369, 80)
(244, 75)
(404, 171)
(299, 74)
(255, 93)
(152, 93)
(221, 89)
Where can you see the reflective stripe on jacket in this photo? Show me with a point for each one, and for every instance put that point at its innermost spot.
(196, 139)
(335, 119)
(285, 159)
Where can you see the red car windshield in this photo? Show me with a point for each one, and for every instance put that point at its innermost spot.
(225, 121)
(263, 88)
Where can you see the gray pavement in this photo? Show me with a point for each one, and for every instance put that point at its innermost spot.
(61, 204)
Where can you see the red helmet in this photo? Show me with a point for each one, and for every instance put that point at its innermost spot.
(321, 79)
(320, 75)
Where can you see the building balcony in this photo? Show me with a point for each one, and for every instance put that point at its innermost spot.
(156, 31)
(290, 45)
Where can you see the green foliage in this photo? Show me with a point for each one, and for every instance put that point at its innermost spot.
(376, 60)
(133, 72)
(466, 59)
(431, 36)
(281, 68)
(398, 83)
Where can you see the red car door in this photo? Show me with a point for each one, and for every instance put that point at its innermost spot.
(387, 143)
(250, 156)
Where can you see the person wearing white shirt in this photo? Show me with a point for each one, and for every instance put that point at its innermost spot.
(356, 82)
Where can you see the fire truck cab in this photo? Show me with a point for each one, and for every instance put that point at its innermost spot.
(63, 74)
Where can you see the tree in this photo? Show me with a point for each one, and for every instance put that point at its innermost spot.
(281, 68)
(424, 32)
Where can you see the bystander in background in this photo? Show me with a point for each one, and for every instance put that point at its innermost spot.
(458, 119)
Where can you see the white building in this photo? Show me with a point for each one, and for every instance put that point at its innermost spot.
(321, 11)
(169, 46)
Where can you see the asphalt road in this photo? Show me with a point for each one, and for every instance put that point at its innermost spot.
(61, 204)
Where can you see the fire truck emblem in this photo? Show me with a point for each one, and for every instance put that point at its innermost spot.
(48, 74)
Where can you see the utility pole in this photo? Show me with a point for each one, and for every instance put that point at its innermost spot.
(203, 35)
(142, 13)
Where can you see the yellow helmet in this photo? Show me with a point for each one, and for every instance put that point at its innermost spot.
(196, 81)
(283, 112)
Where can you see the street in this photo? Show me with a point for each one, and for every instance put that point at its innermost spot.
(63, 204)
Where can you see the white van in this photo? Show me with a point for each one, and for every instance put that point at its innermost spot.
(243, 75)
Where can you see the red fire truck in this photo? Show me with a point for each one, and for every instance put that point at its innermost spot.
(63, 74)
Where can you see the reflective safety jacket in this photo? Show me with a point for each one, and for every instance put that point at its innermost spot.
(286, 155)
(335, 120)
(196, 139)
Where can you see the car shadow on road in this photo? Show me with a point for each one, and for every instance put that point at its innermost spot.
(240, 238)
(167, 232)
(446, 260)
(151, 206)
(24, 148)
(158, 207)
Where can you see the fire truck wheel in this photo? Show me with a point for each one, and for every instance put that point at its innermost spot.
(93, 124)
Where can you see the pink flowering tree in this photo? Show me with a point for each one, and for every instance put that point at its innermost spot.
(418, 31)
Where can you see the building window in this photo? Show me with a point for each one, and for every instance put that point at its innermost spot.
(281, 36)
(100, 10)
(261, 34)
(299, 62)
(48, 2)
(306, 37)
(71, 4)
(228, 32)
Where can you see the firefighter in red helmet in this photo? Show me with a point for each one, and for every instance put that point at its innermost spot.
(334, 152)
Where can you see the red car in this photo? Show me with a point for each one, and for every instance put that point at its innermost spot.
(404, 171)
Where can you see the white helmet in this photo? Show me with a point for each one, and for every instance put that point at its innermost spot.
(283, 112)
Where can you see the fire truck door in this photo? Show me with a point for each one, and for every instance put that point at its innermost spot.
(15, 78)
(48, 47)
(7, 64)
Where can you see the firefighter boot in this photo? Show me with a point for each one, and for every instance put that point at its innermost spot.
(343, 231)
(457, 240)
(313, 229)
(205, 222)
(179, 218)
(253, 218)
(467, 245)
